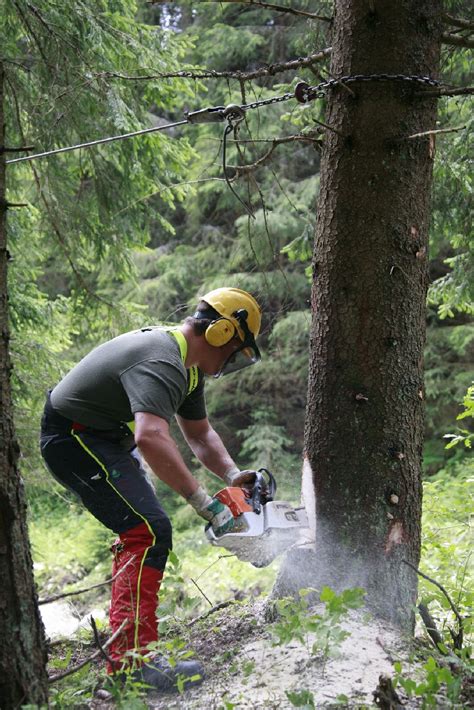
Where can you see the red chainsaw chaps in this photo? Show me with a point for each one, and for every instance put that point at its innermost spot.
(134, 596)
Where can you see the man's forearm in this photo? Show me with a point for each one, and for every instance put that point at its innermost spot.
(211, 452)
(163, 457)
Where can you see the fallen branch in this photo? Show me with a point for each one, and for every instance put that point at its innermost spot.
(218, 607)
(199, 588)
(221, 557)
(89, 659)
(100, 645)
(457, 637)
(54, 598)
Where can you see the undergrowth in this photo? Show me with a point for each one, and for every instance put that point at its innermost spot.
(71, 550)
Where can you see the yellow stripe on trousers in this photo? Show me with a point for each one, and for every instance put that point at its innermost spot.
(142, 561)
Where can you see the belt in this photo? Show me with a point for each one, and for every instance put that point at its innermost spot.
(78, 427)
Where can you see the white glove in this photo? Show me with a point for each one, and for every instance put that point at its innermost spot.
(235, 477)
(211, 509)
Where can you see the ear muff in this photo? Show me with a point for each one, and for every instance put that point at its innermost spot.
(220, 332)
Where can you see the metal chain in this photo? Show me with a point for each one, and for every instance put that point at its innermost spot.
(304, 93)
(267, 102)
(308, 93)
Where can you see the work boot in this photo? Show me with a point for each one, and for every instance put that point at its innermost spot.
(161, 676)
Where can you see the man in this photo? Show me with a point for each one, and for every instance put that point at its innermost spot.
(138, 382)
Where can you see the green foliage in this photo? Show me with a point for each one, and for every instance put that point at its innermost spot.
(448, 500)
(133, 232)
(449, 371)
(301, 698)
(264, 441)
(74, 691)
(434, 676)
(464, 435)
(127, 693)
(241, 44)
(452, 209)
(85, 210)
(195, 569)
(174, 604)
(68, 545)
(320, 633)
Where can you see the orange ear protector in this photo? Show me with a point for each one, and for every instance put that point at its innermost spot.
(220, 332)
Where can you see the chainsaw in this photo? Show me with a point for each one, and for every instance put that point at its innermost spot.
(263, 527)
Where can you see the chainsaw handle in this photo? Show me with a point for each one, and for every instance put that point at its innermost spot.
(262, 489)
(271, 483)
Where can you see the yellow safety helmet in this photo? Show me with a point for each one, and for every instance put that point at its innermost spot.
(241, 316)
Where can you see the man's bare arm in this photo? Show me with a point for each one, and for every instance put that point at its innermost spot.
(153, 438)
(207, 445)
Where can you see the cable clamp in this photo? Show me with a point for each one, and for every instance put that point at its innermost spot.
(212, 114)
(215, 114)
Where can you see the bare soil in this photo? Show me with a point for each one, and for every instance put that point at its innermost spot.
(245, 668)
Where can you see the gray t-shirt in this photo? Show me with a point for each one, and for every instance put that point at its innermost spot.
(140, 371)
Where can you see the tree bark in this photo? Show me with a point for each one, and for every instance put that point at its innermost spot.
(23, 676)
(364, 421)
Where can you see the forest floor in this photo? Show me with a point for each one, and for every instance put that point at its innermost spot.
(246, 668)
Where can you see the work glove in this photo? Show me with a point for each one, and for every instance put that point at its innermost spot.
(211, 509)
(235, 477)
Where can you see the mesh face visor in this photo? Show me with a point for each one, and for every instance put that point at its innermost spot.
(245, 355)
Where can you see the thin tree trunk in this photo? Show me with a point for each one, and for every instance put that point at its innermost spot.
(364, 425)
(23, 677)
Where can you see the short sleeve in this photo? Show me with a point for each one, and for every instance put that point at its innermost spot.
(194, 406)
(154, 387)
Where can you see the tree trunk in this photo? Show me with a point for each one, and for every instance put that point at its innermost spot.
(23, 677)
(364, 424)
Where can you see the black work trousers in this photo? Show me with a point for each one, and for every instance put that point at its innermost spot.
(109, 480)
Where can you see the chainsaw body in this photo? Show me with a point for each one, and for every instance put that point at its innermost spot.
(263, 527)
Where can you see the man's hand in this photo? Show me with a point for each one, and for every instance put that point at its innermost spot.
(211, 509)
(244, 479)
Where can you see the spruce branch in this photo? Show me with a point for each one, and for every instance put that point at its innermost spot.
(463, 91)
(251, 167)
(49, 211)
(21, 149)
(458, 22)
(436, 131)
(457, 40)
(269, 70)
(31, 33)
(282, 8)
